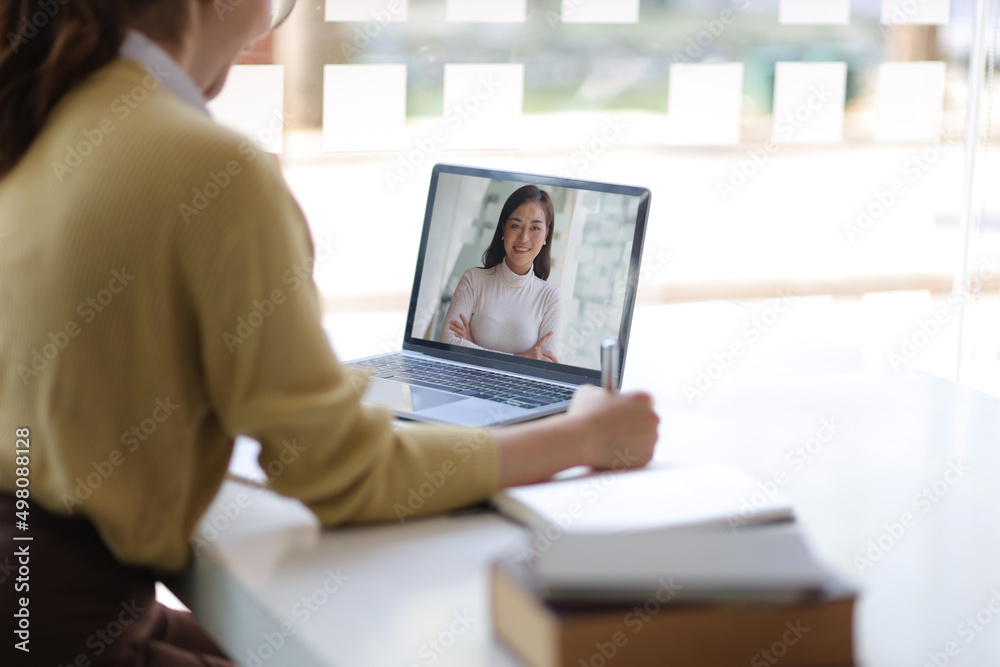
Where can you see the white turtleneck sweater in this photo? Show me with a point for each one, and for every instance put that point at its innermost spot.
(506, 312)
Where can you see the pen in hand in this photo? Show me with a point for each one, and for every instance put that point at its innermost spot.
(610, 361)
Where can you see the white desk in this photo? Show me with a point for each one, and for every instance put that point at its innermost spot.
(417, 594)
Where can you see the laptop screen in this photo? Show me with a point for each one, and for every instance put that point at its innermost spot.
(524, 272)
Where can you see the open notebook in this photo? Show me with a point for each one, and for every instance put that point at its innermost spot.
(651, 498)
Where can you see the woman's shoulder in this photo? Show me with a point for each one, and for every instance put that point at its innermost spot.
(548, 290)
(145, 113)
(478, 275)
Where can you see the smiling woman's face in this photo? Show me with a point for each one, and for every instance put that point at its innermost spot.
(524, 236)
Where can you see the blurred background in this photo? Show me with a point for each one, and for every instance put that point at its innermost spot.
(810, 150)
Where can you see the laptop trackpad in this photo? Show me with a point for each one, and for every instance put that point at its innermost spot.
(399, 396)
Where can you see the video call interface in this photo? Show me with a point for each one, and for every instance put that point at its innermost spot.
(580, 301)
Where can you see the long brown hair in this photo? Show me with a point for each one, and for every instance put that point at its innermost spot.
(49, 46)
(496, 252)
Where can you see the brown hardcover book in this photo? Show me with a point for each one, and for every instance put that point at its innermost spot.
(658, 631)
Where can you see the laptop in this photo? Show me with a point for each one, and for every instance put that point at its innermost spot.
(587, 296)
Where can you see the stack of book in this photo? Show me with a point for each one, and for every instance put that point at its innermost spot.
(683, 593)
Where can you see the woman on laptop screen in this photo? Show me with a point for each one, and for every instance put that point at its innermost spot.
(507, 306)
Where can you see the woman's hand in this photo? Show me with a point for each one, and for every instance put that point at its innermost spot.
(539, 352)
(601, 430)
(461, 329)
(624, 427)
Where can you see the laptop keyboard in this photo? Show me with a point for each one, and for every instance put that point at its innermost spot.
(472, 382)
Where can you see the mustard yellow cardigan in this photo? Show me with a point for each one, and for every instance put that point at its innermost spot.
(154, 303)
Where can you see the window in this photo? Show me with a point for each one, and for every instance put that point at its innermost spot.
(811, 150)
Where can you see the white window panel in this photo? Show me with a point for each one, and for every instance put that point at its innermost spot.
(600, 11)
(924, 12)
(909, 102)
(483, 105)
(495, 11)
(364, 107)
(814, 11)
(809, 102)
(378, 11)
(705, 103)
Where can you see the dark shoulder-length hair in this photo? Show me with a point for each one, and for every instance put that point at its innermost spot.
(48, 48)
(496, 252)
